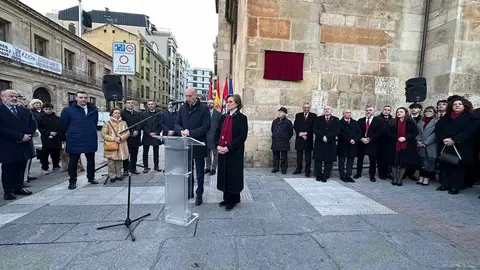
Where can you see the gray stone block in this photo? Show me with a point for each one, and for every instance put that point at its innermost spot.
(198, 253)
(229, 227)
(281, 252)
(87, 232)
(343, 223)
(290, 225)
(136, 210)
(158, 231)
(79, 214)
(19, 208)
(16, 233)
(255, 210)
(212, 210)
(432, 250)
(26, 257)
(363, 250)
(41, 215)
(393, 223)
(141, 254)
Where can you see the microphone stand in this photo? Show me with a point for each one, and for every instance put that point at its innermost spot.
(136, 124)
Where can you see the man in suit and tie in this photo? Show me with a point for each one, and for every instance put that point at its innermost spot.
(326, 129)
(303, 127)
(215, 115)
(371, 129)
(17, 126)
(348, 139)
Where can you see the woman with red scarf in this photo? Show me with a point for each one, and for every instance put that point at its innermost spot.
(403, 131)
(230, 138)
(427, 145)
(456, 130)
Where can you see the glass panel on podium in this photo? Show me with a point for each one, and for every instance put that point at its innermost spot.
(178, 210)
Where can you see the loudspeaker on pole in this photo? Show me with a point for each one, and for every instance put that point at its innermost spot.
(416, 89)
(112, 87)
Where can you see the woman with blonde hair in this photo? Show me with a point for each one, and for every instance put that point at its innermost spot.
(115, 144)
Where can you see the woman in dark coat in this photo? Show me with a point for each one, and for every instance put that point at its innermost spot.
(230, 138)
(403, 131)
(455, 131)
(427, 145)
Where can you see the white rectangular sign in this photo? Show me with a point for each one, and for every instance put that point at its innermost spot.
(124, 56)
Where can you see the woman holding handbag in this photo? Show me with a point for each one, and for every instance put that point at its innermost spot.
(115, 144)
(427, 145)
(454, 134)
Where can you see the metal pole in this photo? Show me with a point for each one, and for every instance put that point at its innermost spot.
(125, 88)
(80, 13)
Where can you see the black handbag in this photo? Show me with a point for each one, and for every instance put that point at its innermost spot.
(450, 158)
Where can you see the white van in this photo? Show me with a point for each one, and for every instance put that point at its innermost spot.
(102, 118)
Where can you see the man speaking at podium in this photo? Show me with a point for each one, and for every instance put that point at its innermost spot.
(193, 121)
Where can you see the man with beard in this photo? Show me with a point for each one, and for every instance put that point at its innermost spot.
(303, 127)
(348, 139)
(150, 128)
(212, 155)
(384, 170)
(132, 117)
(194, 121)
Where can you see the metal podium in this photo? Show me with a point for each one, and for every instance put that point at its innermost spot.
(178, 170)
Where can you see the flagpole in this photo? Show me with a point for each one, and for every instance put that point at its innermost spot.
(80, 13)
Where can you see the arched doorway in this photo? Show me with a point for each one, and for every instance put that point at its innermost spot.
(42, 94)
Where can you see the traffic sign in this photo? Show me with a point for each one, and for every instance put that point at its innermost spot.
(124, 56)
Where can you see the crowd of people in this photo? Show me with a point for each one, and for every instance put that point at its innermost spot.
(443, 140)
(75, 130)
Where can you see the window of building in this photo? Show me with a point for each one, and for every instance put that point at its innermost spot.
(106, 71)
(143, 51)
(129, 84)
(72, 29)
(148, 56)
(148, 92)
(91, 69)
(40, 45)
(143, 73)
(195, 78)
(71, 97)
(69, 61)
(4, 85)
(4, 27)
(143, 92)
(155, 96)
(155, 81)
(93, 101)
(194, 84)
(154, 66)
(147, 74)
(194, 72)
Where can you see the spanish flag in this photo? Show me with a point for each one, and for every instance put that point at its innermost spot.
(218, 102)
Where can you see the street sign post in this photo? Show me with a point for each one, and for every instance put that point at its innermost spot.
(124, 56)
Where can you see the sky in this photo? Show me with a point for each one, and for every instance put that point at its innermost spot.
(193, 22)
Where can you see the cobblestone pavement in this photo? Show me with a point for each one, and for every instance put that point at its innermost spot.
(282, 223)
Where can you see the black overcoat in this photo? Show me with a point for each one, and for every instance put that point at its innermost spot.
(12, 129)
(282, 132)
(195, 118)
(132, 118)
(409, 157)
(348, 131)
(326, 151)
(50, 123)
(461, 131)
(149, 126)
(302, 125)
(375, 130)
(230, 165)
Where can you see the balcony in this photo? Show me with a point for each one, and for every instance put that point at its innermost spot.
(82, 76)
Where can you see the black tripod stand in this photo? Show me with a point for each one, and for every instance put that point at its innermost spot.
(128, 222)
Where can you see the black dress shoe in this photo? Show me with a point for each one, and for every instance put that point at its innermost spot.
(146, 170)
(72, 186)
(198, 200)
(9, 196)
(350, 179)
(229, 206)
(441, 188)
(297, 172)
(222, 203)
(93, 182)
(372, 179)
(284, 172)
(382, 178)
(324, 179)
(213, 172)
(308, 174)
(29, 178)
(344, 179)
(356, 176)
(207, 170)
(454, 192)
(22, 192)
(134, 172)
(275, 170)
(319, 178)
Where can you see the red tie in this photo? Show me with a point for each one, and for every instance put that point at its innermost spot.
(367, 126)
(306, 116)
(326, 119)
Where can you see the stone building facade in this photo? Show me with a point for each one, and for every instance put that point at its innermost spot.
(82, 65)
(357, 52)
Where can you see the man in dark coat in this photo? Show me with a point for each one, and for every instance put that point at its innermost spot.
(326, 129)
(303, 127)
(50, 128)
(194, 121)
(211, 149)
(151, 127)
(384, 140)
(132, 117)
(348, 139)
(371, 129)
(17, 126)
(416, 115)
(79, 124)
(167, 121)
(282, 132)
